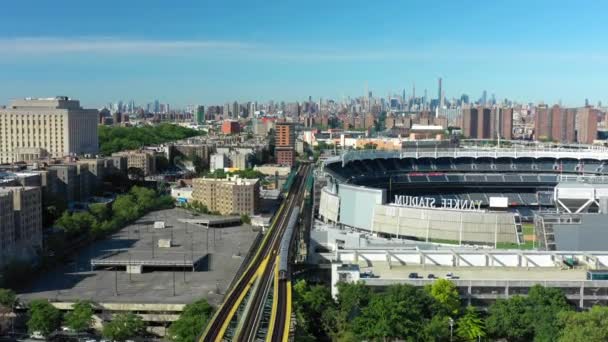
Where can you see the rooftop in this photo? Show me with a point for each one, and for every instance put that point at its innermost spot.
(219, 252)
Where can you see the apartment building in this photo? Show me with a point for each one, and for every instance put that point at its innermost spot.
(32, 129)
(140, 159)
(285, 140)
(231, 195)
(24, 236)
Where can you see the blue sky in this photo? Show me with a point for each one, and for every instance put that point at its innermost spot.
(209, 52)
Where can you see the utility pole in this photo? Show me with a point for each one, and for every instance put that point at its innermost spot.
(129, 267)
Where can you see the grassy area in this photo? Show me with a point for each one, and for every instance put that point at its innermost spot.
(509, 245)
(528, 228)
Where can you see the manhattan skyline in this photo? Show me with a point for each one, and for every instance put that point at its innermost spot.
(212, 53)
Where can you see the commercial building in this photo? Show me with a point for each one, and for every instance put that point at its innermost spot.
(31, 129)
(231, 195)
(285, 140)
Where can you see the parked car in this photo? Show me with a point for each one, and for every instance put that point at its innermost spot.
(431, 276)
(37, 335)
(414, 275)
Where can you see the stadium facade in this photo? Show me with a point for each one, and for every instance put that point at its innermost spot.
(464, 196)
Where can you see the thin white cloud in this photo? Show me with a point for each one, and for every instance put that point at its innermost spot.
(42, 47)
(24, 46)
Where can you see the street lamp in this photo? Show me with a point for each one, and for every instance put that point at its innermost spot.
(451, 322)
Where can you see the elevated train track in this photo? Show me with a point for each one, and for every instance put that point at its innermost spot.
(262, 272)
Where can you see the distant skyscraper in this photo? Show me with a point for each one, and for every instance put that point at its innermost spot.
(439, 94)
(464, 99)
(200, 115)
(235, 109)
(484, 98)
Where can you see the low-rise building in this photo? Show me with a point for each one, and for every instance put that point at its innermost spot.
(231, 195)
(182, 194)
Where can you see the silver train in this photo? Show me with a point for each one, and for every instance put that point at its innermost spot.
(286, 243)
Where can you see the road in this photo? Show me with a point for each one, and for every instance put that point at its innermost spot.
(257, 277)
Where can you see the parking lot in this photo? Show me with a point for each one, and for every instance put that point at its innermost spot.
(219, 250)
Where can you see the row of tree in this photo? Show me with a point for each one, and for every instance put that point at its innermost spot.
(115, 139)
(45, 319)
(102, 219)
(436, 313)
(247, 173)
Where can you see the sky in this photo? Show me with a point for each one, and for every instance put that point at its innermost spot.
(210, 52)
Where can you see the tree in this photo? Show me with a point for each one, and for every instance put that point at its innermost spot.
(400, 312)
(125, 208)
(124, 326)
(100, 211)
(446, 295)
(588, 326)
(114, 139)
(43, 317)
(7, 298)
(437, 329)
(508, 319)
(470, 326)
(81, 316)
(311, 302)
(246, 219)
(191, 321)
(7, 302)
(544, 304)
(145, 198)
(77, 223)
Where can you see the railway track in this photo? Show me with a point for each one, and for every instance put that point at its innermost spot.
(259, 269)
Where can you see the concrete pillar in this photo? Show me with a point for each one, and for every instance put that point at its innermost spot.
(581, 302)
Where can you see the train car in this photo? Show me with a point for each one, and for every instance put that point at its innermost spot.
(286, 242)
